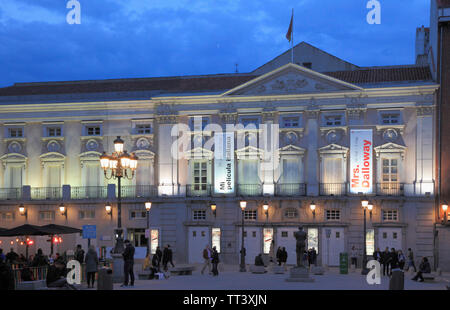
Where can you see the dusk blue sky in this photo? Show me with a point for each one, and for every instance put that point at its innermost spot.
(146, 38)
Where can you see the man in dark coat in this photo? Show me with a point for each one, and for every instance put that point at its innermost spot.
(128, 258)
(424, 267)
(12, 257)
(385, 261)
(259, 261)
(79, 254)
(167, 257)
(158, 254)
(279, 254)
(39, 260)
(393, 260)
(215, 261)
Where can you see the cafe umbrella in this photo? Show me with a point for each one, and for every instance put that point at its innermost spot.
(24, 230)
(54, 229)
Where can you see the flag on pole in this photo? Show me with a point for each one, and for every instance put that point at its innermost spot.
(289, 32)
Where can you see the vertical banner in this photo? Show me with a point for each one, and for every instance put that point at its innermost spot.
(224, 163)
(361, 162)
(268, 237)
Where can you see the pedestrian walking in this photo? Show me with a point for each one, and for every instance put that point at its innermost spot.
(215, 262)
(79, 254)
(392, 260)
(313, 257)
(401, 259)
(377, 255)
(284, 256)
(411, 260)
(279, 254)
(272, 252)
(385, 261)
(207, 259)
(424, 267)
(354, 256)
(128, 258)
(159, 255)
(91, 265)
(167, 257)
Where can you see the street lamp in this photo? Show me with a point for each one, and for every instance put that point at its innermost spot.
(444, 208)
(108, 209)
(370, 208)
(63, 210)
(148, 206)
(120, 165)
(213, 209)
(312, 206)
(23, 211)
(365, 204)
(266, 210)
(243, 205)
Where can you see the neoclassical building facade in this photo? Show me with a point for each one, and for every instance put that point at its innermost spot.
(289, 136)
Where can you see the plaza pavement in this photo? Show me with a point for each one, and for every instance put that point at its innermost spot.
(231, 279)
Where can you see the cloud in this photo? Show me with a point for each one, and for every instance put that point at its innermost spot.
(135, 38)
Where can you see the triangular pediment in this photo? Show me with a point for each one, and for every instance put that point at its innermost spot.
(333, 148)
(291, 79)
(291, 149)
(390, 146)
(199, 153)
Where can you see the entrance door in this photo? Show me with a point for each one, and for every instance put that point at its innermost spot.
(390, 237)
(252, 244)
(285, 238)
(197, 241)
(332, 245)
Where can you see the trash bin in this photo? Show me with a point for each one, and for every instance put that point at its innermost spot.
(397, 281)
(105, 279)
(343, 263)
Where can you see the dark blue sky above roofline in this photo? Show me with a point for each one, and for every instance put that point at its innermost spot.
(147, 38)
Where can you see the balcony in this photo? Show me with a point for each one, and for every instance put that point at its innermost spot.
(390, 189)
(88, 192)
(249, 189)
(290, 189)
(139, 191)
(333, 189)
(198, 190)
(46, 193)
(10, 193)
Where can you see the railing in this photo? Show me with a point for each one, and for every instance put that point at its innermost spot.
(390, 189)
(38, 273)
(290, 189)
(198, 190)
(46, 193)
(139, 191)
(10, 193)
(332, 189)
(88, 192)
(249, 189)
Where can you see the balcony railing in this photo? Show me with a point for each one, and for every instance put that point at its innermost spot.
(88, 192)
(250, 189)
(290, 189)
(198, 190)
(10, 193)
(46, 193)
(139, 191)
(390, 189)
(333, 189)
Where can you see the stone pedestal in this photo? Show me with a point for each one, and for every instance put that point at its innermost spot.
(118, 275)
(299, 274)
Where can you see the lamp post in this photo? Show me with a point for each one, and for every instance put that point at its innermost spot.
(266, 210)
(364, 271)
(120, 165)
(213, 209)
(312, 206)
(243, 205)
(63, 210)
(23, 211)
(444, 208)
(148, 206)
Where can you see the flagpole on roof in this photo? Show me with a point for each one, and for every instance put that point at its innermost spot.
(292, 40)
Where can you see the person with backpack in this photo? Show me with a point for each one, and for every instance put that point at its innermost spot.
(207, 259)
